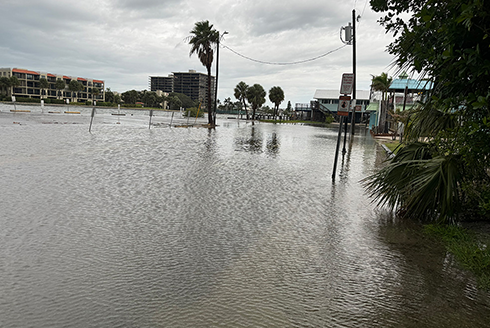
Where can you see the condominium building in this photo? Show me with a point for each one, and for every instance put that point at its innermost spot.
(30, 87)
(192, 84)
(162, 83)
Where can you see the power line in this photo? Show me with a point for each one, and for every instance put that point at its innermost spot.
(286, 63)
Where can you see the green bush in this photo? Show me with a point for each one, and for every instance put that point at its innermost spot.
(27, 100)
(105, 103)
(54, 101)
(132, 105)
(329, 119)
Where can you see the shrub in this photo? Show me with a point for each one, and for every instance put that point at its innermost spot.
(329, 119)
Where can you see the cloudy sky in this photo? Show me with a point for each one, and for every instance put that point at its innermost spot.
(125, 41)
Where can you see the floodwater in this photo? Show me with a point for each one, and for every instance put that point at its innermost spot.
(241, 226)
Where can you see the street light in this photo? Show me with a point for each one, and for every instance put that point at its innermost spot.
(216, 84)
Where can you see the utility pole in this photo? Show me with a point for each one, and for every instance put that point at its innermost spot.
(216, 86)
(353, 123)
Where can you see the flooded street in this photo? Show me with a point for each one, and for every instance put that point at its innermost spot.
(185, 227)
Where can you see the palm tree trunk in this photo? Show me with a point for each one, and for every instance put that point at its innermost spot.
(246, 111)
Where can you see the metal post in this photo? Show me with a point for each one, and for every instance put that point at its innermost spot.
(91, 119)
(345, 135)
(337, 149)
(216, 82)
(151, 114)
(171, 119)
(353, 119)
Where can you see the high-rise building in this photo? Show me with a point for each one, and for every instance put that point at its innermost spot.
(30, 87)
(192, 84)
(162, 83)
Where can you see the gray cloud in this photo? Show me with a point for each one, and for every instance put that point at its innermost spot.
(125, 41)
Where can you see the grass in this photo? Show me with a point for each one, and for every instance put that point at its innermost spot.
(392, 146)
(468, 249)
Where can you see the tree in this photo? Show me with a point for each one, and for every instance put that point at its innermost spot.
(174, 102)
(276, 96)
(5, 84)
(95, 93)
(202, 40)
(44, 85)
(241, 95)
(14, 82)
(74, 86)
(442, 173)
(382, 83)
(109, 95)
(289, 108)
(256, 97)
(59, 85)
(130, 97)
(185, 100)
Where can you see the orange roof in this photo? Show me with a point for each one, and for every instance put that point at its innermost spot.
(51, 75)
(81, 79)
(24, 71)
(66, 77)
(98, 81)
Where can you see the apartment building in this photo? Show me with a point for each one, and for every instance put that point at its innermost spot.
(29, 85)
(192, 84)
(162, 83)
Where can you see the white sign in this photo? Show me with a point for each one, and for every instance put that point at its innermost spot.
(42, 103)
(347, 83)
(13, 98)
(344, 105)
(67, 101)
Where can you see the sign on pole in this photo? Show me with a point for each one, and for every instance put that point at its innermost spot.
(347, 83)
(344, 105)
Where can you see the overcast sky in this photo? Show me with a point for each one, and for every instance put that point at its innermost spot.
(125, 41)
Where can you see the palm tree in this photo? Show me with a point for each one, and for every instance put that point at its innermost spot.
(276, 96)
(256, 97)
(382, 83)
(202, 40)
(75, 87)
(14, 82)
(59, 85)
(95, 93)
(43, 84)
(241, 94)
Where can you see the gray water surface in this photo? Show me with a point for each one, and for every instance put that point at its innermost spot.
(240, 226)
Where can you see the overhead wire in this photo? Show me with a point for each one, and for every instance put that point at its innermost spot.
(284, 63)
(294, 62)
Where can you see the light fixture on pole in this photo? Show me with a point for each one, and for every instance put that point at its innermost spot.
(216, 82)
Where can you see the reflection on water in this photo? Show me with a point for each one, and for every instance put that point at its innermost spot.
(235, 227)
